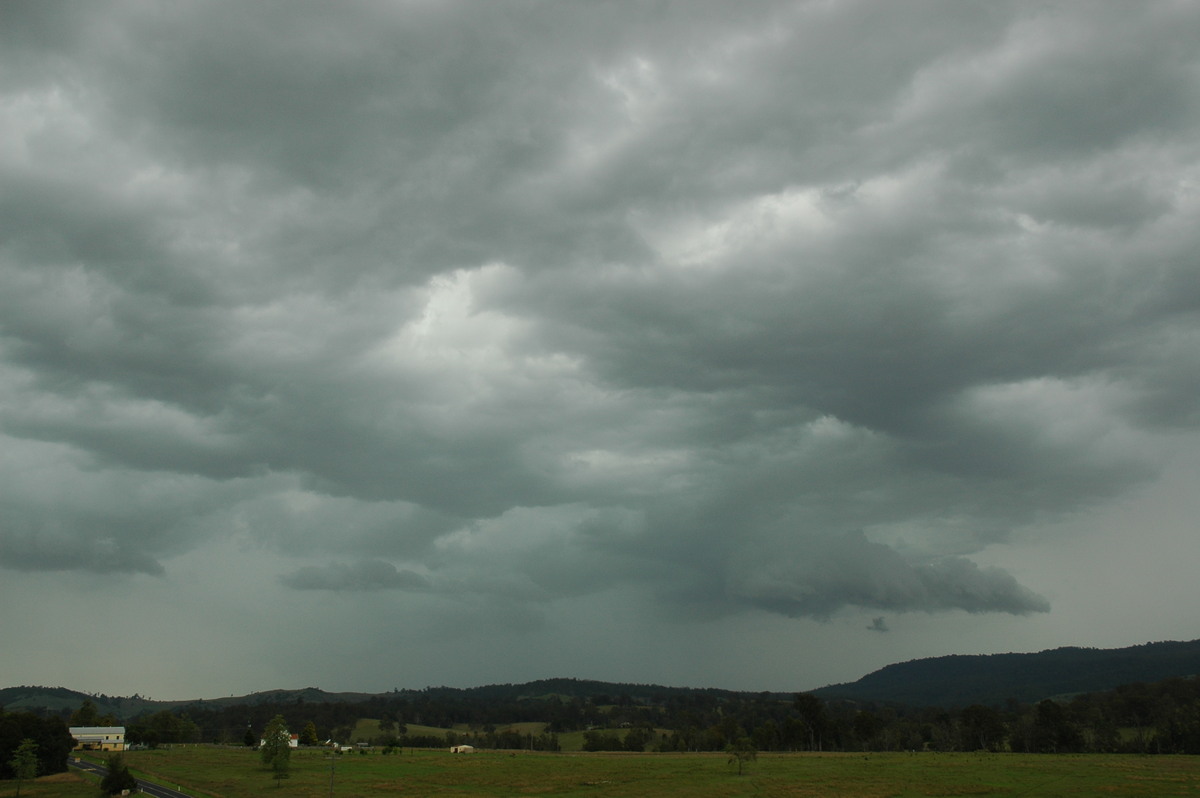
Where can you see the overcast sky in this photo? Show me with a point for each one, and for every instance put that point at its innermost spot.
(748, 345)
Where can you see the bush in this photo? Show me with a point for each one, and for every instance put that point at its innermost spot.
(118, 778)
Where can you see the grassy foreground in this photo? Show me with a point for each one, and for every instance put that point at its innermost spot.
(237, 773)
(60, 785)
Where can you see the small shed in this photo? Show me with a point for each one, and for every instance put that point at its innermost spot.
(462, 749)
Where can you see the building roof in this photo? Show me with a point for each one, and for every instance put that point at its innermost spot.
(78, 730)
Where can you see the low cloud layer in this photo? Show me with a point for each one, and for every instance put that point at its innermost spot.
(795, 308)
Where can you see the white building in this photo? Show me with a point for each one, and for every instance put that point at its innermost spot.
(293, 741)
(98, 738)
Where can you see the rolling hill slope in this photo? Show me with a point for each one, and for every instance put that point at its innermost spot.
(960, 680)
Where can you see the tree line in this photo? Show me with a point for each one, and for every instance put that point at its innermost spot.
(46, 739)
(1161, 717)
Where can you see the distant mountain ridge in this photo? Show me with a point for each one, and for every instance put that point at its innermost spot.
(57, 699)
(992, 679)
(949, 681)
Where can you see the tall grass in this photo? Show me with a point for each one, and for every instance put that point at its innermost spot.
(60, 785)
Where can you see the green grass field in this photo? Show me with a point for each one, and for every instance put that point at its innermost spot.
(237, 773)
(367, 729)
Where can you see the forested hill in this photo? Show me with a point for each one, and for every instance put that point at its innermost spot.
(995, 678)
(952, 681)
(62, 701)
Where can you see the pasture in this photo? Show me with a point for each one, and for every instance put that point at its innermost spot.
(219, 772)
(60, 785)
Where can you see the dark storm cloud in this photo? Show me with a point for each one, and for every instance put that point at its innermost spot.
(794, 307)
(39, 550)
(850, 570)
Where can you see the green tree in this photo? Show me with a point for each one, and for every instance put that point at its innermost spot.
(308, 736)
(167, 727)
(1053, 731)
(86, 715)
(637, 738)
(741, 751)
(25, 762)
(766, 735)
(118, 777)
(982, 729)
(54, 742)
(866, 727)
(279, 769)
(276, 751)
(814, 718)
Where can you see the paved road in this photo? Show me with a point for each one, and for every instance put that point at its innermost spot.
(143, 786)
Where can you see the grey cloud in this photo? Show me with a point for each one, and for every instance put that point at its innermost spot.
(849, 570)
(291, 520)
(359, 575)
(25, 548)
(548, 301)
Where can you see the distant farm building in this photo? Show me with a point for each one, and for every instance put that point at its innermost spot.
(293, 741)
(462, 749)
(98, 738)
